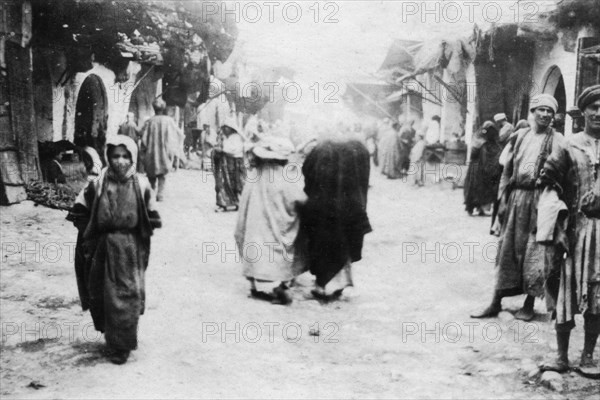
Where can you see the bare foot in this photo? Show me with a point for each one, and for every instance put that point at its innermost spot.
(558, 365)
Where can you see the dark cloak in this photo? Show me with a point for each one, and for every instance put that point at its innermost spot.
(484, 172)
(334, 219)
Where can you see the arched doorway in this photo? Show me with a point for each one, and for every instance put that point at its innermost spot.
(554, 85)
(91, 115)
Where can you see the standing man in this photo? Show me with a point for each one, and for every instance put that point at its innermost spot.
(520, 262)
(160, 144)
(573, 172)
(505, 129)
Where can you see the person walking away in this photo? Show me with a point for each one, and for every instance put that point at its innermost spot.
(484, 171)
(571, 176)
(115, 216)
(268, 221)
(228, 166)
(159, 145)
(519, 260)
(334, 219)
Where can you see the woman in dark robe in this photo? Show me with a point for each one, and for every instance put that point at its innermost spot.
(228, 167)
(483, 174)
(334, 219)
(115, 217)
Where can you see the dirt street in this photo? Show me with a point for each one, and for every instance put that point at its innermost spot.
(402, 332)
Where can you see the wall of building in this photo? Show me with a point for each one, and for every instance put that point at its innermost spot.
(64, 100)
(566, 59)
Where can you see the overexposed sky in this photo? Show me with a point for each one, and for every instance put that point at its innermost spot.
(349, 37)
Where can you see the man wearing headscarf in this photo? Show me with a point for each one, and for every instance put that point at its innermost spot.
(572, 171)
(505, 128)
(159, 145)
(519, 260)
(268, 221)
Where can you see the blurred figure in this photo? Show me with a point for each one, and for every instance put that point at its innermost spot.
(417, 164)
(390, 147)
(432, 135)
(504, 127)
(228, 166)
(483, 174)
(160, 145)
(129, 128)
(407, 138)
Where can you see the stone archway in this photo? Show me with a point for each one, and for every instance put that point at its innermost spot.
(91, 115)
(554, 85)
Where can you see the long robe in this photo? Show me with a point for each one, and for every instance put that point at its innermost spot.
(483, 175)
(390, 154)
(228, 170)
(268, 223)
(521, 262)
(570, 170)
(407, 137)
(334, 218)
(161, 139)
(115, 221)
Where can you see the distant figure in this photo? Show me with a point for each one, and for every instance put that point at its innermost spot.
(390, 148)
(54, 171)
(505, 129)
(228, 166)
(407, 138)
(416, 158)
(483, 174)
(432, 135)
(160, 145)
(129, 128)
(334, 219)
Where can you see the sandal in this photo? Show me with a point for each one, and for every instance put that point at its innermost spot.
(555, 366)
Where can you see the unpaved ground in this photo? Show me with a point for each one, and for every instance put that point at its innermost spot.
(203, 337)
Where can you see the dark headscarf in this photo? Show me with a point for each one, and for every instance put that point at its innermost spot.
(334, 218)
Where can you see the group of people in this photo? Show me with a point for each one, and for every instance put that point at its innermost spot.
(290, 221)
(401, 148)
(548, 211)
